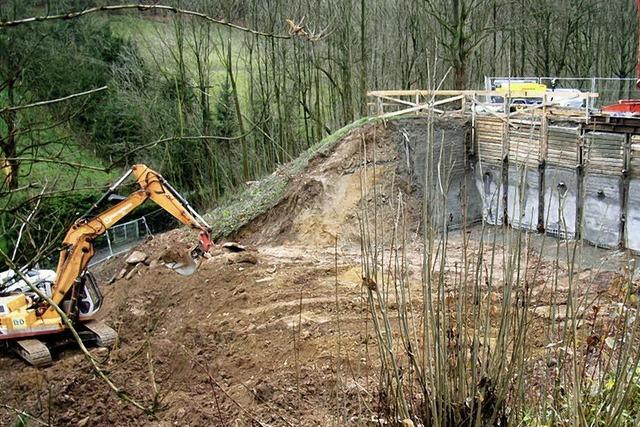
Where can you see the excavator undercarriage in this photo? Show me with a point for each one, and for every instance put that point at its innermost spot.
(39, 351)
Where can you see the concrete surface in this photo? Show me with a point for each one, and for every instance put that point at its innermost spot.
(523, 197)
(560, 202)
(601, 210)
(489, 185)
(632, 232)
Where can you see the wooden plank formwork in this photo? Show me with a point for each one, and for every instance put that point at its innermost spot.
(563, 147)
(525, 143)
(634, 157)
(490, 137)
(604, 153)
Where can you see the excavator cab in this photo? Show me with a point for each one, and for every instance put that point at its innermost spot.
(88, 301)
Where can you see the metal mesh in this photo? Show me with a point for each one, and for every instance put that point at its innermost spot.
(120, 238)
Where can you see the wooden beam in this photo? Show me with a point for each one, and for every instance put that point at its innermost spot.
(399, 101)
(424, 107)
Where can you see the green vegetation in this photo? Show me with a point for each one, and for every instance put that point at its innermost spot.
(76, 147)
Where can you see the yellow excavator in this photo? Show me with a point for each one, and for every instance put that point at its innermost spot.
(30, 325)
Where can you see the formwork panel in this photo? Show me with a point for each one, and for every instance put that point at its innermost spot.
(525, 143)
(490, 187)
(632, 224)
(634, 157)
(602, 210)
(563, 146)
(632, 234)
(560, 201)
(490, 139)
(523, 197)
(604, 153)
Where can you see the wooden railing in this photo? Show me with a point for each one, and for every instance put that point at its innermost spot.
(392, 103)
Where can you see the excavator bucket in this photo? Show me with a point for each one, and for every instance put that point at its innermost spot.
(181, 262)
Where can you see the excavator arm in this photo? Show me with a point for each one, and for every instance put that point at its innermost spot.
(78, 248)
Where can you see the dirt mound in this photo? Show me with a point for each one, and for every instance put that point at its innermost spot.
(324, 202)
(237, 341)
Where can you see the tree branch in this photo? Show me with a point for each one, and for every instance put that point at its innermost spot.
(25, 223)
(143, 8)
(175, 138)
(57, 161)
(52, 101)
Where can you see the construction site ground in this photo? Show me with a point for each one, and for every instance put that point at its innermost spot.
(277, 334)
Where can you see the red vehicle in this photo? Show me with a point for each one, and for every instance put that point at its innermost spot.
(629, 106)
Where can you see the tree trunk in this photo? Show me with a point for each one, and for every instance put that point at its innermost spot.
(10, 165)
(459, 76)
(236, 102)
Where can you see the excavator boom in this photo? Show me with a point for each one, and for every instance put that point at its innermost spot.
(77, 248)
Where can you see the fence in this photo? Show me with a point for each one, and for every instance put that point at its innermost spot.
(392, 103)
(119, 239)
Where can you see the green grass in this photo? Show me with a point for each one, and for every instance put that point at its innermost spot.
(155, 38)
(58, 150)
(62, 175)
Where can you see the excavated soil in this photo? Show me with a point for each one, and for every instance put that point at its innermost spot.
(275, 335)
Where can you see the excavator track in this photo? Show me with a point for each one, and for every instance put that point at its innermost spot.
(33, 351)
(103, 335)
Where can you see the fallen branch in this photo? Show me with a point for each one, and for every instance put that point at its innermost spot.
(25, 414)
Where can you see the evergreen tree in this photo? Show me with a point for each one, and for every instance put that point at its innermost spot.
(225, 120)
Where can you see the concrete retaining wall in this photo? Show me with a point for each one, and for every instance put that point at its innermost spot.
(489, 184)
(632, 211)
(560, 216)
(603, 161)
(449, 164)
(632, 232)
(523, 197)
(590, 181)
(602, 210)
(562, 178)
